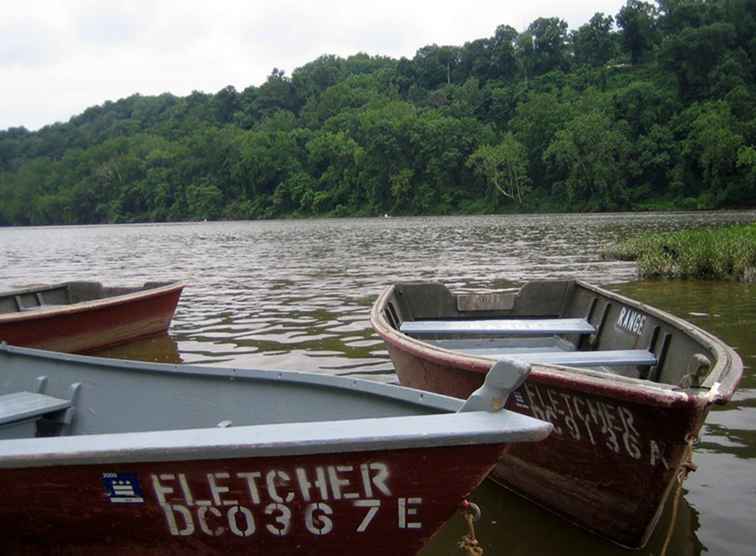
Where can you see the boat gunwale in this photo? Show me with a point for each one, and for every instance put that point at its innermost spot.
(727, 367)
(82, 306)
(443, 430)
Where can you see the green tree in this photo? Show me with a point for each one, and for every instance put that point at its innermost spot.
(277, 93)
(504, 168)
(313, 78)
(402, 191)
(352, 93)
(265, 160)
(693, 54)
(434, 65)
(712, 146)
(440, 147)
(385, 132)
(334, 160)
(643, 104)
(591, 154)
(226, 104)
(525, 55)
(746, 163)
(637, 20)
(550, 45)
(295, 195)
(535, 123)
(594, 43)
(204, 200)
(503, 53)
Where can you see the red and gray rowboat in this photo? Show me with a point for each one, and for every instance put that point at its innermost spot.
(99, 456)
(83, 316)
(626, 386)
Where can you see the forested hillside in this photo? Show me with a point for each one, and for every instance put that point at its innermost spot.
(653, 107)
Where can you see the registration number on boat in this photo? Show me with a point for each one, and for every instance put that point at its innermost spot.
(272, 501)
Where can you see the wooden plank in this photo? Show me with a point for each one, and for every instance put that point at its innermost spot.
(585, 358)
(494, 351)
(25, 405)
(497, 327)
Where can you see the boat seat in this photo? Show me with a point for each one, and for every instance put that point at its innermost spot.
(19, 412)
(502, 351)
(609, 358)
(497, 327)
(38, 307)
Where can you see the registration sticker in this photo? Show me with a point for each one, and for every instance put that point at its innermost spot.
(122, 488)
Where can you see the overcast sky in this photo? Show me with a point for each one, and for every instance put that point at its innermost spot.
(58, 57)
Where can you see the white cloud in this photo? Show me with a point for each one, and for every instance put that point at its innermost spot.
(58, 57)
(29, 42)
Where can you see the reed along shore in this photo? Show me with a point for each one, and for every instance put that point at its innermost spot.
(727, 253)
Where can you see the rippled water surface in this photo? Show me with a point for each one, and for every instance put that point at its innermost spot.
(296, 294)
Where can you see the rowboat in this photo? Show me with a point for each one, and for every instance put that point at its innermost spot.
(626, 386)
(102, 456)
(83, 316)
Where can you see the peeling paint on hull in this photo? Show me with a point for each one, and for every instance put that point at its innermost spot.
(593, 470)
(67, 510)
(617, 444)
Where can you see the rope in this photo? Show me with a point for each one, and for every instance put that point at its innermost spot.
(469, 543)
(686, 466)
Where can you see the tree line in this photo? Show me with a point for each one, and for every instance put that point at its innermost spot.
(652, 108)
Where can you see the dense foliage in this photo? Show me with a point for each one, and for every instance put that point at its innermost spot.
(708, 253)
(653, 108)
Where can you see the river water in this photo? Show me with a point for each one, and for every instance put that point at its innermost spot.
(296, 295)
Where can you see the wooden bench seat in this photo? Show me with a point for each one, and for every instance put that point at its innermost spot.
(497, 327)
(601, 358)
(20, 410)
(39, 307)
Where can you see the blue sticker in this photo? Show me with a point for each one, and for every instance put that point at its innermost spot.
(122, 487)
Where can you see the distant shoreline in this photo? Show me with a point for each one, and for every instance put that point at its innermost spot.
(285, 218)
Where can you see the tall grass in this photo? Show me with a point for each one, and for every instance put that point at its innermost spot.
(709, 253)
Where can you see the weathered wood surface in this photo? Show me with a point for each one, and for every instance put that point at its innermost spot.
(609, 462)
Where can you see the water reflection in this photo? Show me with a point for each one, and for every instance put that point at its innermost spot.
(723, 487)
(157, 349)
(296, 294)
(513, 527)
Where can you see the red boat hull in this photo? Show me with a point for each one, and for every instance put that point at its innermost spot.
(93, 325)
(365, 503)
(611, 460)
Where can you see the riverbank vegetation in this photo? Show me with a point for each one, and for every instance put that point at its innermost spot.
(651, 108)
(709, 253)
